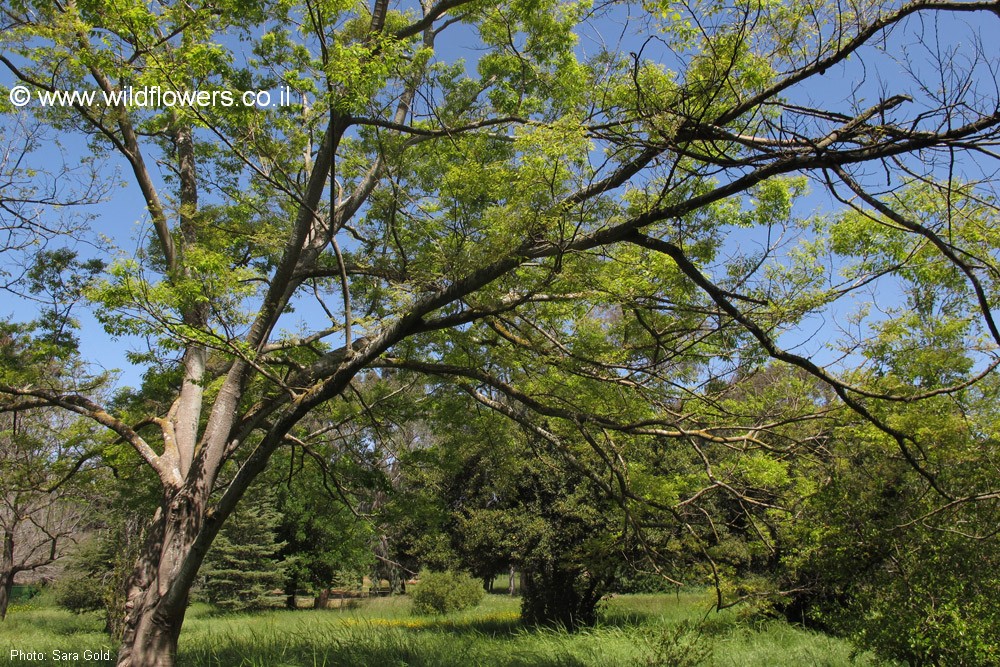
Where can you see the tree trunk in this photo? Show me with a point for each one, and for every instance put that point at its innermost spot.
(153, 642)
(291, 585)
(6, 573)
(510, 580)
(158, 591)
(322, 600)
(6, 588)
(557, 596)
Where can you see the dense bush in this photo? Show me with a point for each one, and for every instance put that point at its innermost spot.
(932, 605)
(445, 592)
(628, 579)
(84, 584)
(80, 594)
(879, 564)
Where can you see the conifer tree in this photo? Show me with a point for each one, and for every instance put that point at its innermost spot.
(243, 567)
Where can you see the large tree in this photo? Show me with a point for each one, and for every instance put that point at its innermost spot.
(582, 223)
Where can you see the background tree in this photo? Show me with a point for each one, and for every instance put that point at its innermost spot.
(41, 516)
(40, 519)
(546, 228)
(46, 476)
(874, 555)
(325, 538)
(244, 567)
(496, 498)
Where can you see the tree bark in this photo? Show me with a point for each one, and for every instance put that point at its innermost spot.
(6, 588)
(154, 640)
(6, 573)
(158, 590)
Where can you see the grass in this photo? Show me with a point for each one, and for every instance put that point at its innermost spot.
(636, 631)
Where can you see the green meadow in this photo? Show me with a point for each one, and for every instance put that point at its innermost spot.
(636, 630)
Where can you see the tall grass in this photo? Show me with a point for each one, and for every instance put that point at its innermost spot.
(637, 630)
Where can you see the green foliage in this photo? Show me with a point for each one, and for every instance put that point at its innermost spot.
(243, 568)
(572, 555)
(79, 594)
(84, 585)
(934, 603)
(59, 279)
(446, 592)
(629, 579)
(918, 592)
(20, 594)
(323, 540)
(680, 645)
(578, 269)
(487, 496)
(96, 576)
(878, 552)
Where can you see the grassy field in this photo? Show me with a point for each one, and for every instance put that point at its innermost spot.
(637, 630)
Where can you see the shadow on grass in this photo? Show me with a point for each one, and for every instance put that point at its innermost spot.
(495, 639)
(488, 638)
(626, 620)
(511, 625)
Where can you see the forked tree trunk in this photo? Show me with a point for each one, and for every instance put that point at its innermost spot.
(158, 590)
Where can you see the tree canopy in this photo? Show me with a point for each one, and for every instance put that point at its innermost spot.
(592, 220)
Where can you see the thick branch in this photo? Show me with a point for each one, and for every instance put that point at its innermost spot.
(84, 406)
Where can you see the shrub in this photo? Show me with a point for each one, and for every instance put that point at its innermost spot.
(920, 592)
(936, 606)
(80, 594)
(680, 645)
(445, 592)
(84, 584)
